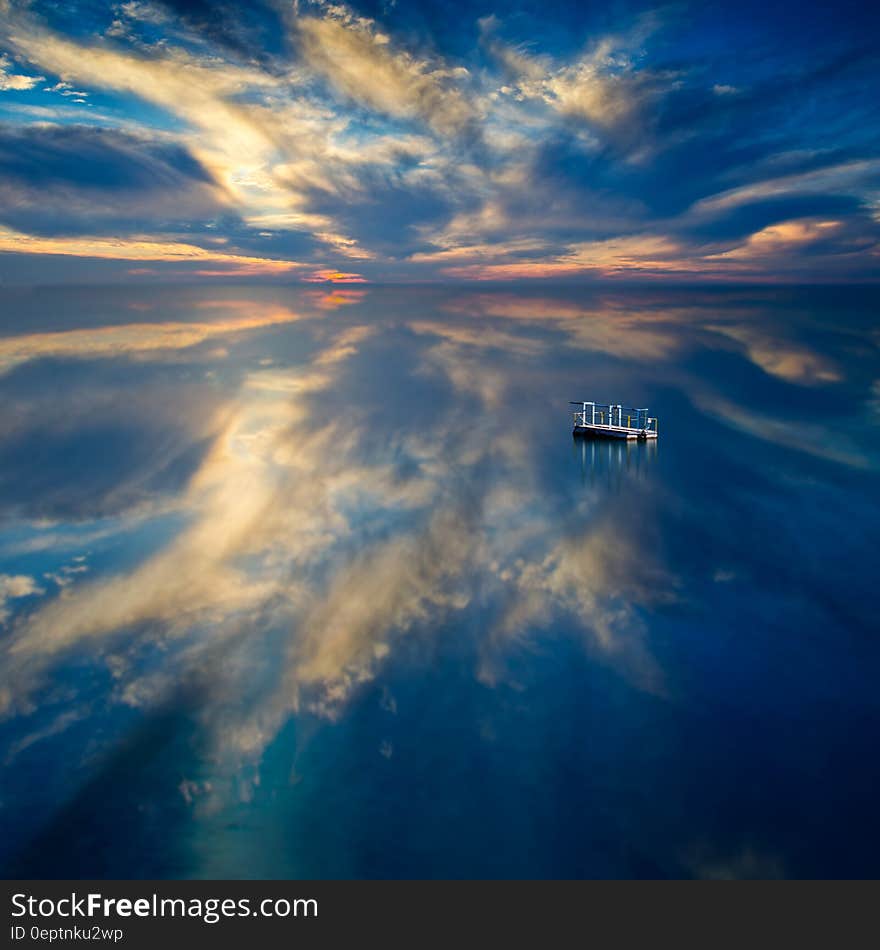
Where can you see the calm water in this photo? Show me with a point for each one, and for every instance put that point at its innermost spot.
(317, 583)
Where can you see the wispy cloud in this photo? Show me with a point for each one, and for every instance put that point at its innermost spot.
(364, 64)
(133, 249)
(603, 86)
(782, 358)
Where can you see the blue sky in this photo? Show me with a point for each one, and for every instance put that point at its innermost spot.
(403, 141)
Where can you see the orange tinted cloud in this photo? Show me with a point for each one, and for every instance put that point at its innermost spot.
(142, 249)
(334, 277)
(645, 254)
(782, 237)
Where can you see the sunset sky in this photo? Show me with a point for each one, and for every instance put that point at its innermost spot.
(410, 141)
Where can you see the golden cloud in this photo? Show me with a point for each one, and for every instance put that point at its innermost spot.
(780, 357)
(362, 64)
(135, 338)
(135, 249)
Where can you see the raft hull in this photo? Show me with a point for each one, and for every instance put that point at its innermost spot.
(613, 432)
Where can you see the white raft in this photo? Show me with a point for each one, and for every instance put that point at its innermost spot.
(607, 421)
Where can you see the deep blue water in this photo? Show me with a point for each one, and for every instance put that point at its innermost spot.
(316, 583)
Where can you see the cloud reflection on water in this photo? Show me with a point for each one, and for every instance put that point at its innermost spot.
(280, 489)
(345, 499)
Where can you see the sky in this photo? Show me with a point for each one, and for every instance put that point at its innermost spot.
(437, 141)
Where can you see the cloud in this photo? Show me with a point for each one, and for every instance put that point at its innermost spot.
(265, 148)
(393, 586)
(363, 64)
(843, 176)
(336, 298)
(595, 577)
(645, 254)
(776, 238)
(332, 137)
(777, 250)
(70, 177)
(196, 576)
(606, 327)
(824, 442)
(58, 725)
(334, 277)
(108, 474)
(237, 142)
(603, 86)
(843, 246)
(133, 338)
(13, 586)
(133, 249)
(202, 93)
(15, 82)
(481, 337)
(782, 358)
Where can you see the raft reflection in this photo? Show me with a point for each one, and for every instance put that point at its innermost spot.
(613, 463)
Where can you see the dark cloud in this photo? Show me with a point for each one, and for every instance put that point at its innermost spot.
(68, 178)
(385, 213)
(105, 469)
(95, 158)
